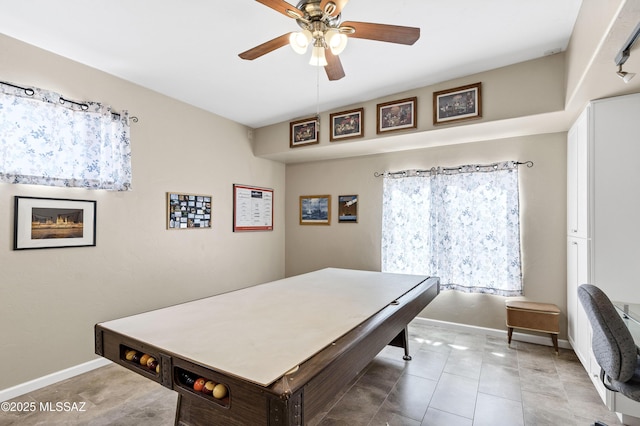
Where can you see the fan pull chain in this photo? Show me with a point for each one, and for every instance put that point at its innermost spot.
(318, 96)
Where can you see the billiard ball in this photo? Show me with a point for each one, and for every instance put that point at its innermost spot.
(187, 379)
(152, 363)
(208, 387)
(158, 369)
(144, 358)
(199, 384)
(129, 354)
(135, 357)
(219, 391)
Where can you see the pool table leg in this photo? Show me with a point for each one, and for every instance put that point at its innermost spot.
(402, 341)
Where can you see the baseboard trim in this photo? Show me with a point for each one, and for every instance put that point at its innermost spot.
(522, 337)
(49, 379)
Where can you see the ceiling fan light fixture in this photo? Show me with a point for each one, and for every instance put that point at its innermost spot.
(336, 41)
(318, 58)
(299, 41)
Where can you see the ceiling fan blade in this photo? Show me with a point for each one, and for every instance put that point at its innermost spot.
(281, 6)
(383, 32)
(265, 48)
(339, 5)
(334, 66)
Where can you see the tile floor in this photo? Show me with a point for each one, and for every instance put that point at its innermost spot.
(455, 378)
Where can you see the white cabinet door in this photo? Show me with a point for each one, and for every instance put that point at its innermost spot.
(577, 177)
(578, 324)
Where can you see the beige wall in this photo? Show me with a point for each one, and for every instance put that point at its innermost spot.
(349, 245)
(50, 299)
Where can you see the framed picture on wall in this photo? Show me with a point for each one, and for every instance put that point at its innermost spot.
(347, 124)
(347, 209)
(397, 115)
(188, 211)
(53, 223)
(460, 103)
(304, 132)
(252, 208)
(315, 209)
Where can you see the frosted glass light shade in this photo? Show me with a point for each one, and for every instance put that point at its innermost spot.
(336, 41)
(299, 41)
(317, 57)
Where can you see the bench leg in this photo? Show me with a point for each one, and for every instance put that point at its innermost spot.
(509, 334)
(554, 338)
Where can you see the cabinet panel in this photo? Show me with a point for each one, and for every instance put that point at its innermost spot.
(578, 324)
(577, 177)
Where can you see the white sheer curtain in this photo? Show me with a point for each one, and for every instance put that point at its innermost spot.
(462, 225)
(45, 140)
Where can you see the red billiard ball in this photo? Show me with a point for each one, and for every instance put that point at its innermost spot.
(199, 384)
(152, 363)
(208, 387)
(135, 357)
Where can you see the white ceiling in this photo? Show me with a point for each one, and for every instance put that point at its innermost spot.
(189, 49)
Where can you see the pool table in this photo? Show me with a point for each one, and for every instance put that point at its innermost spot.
(272, 354)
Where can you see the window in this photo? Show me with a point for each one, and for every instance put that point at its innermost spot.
(461, 224)
(47, 140)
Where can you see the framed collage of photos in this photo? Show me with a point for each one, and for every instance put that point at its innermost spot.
(186, 211)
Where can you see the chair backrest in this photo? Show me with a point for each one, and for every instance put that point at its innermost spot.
(612, 343)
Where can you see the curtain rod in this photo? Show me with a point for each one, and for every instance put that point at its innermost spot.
(30, 92)
(434, 170)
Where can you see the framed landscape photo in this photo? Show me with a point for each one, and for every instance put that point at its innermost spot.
(304, 132)
(347, 208)
(53, 223)
(347, 125)
(315, 209)
(397, 115)
(188, 211)
(460, 103)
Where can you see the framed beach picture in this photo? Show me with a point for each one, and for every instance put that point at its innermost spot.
(315, 209)
(460, 103)
(304, 132)
(397, 115)
(53, 223)
(347, 125)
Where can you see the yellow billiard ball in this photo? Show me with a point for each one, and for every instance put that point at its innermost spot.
(219, 391)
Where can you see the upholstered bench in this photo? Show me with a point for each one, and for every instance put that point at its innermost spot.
(543, 317)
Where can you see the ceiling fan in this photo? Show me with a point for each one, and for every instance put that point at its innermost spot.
(322, 29)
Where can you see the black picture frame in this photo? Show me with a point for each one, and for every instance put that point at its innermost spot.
(53, 223)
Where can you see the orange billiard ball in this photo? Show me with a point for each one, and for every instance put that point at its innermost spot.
(144, 358)
(199, 384)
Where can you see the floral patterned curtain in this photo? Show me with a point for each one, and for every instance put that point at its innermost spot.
(45, 140)
(460, 224)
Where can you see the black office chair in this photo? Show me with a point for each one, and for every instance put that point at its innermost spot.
(612, 344)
